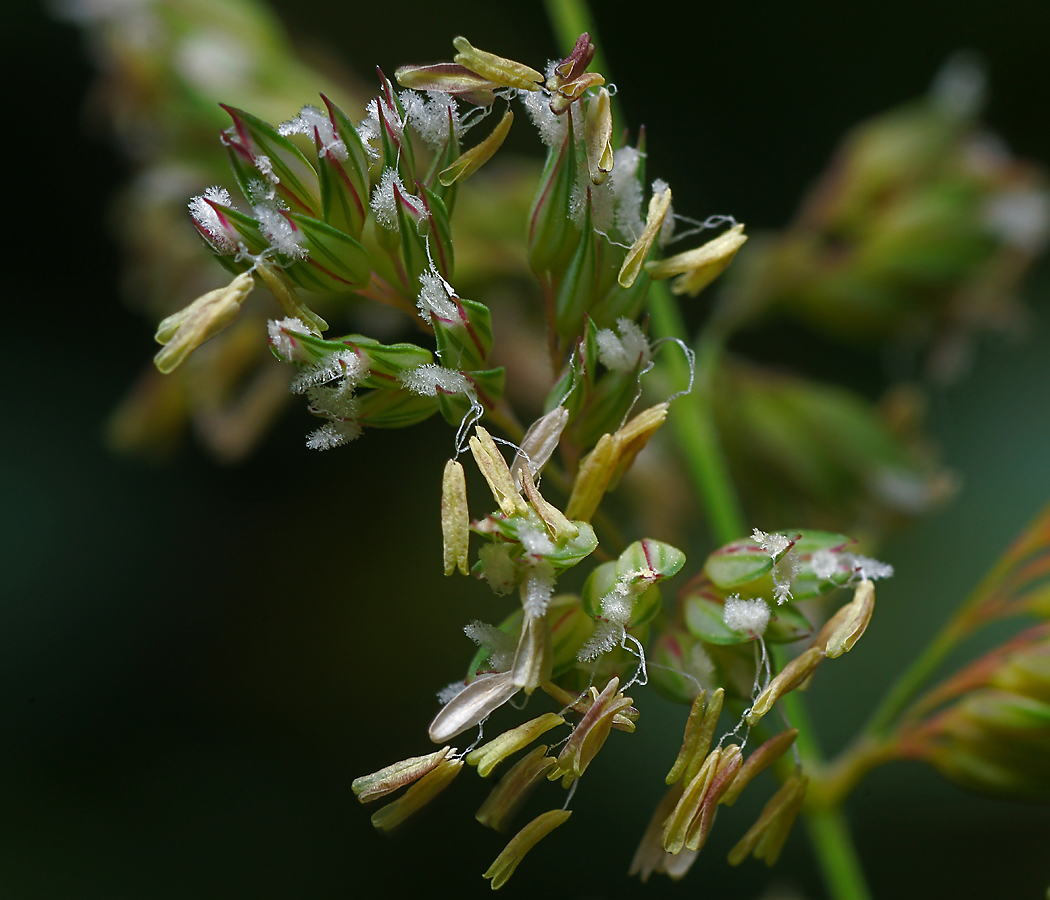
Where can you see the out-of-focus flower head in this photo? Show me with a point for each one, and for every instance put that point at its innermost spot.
(918, 232)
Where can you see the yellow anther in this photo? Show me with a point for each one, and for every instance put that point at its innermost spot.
(598, 137)
(696, 269)
(474, 158)
(497, 473)
(489, 755)
(183, 332)
(659, 204)
(455, 520)
(503, 71)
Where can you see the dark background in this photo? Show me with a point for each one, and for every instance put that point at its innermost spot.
(195, 661)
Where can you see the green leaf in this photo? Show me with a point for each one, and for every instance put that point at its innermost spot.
(440, 231)
(575, 294)
(388, 361)
(565, 555)
(640, 567)
(598, 584)
(465, 343)
(385, 361)
(602, 581)
(334, 261)
(620, 301)
(568, 554)
(395, 408)
(653, 558)
(786, 624)
(704, 609)
(737, 563)
(552, 233)
(704, 617)
(576, 381)
(806, 584)
(345, 185)
(249, 140)
(410, 216)
(600, 403)
(397, 150)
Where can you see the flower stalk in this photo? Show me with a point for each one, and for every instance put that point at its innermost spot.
(698, 442)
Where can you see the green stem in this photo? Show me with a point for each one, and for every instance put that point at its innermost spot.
(833, 845)
(694, 422)
(879, 740)
(826, 823)
(831, 785)
(698, 440)
(970, 615)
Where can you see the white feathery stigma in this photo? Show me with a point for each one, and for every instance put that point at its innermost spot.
(605, 637)
(534, 538)
(551, 128)
(345, 365)
(259, 190)
(667, 228)
(627, 191)
(337, 401)
(824, 563)
(280, 231)
(537, 589)
(827, 563)
(333, 434)
(314, 123)
(864, 567)
(431, 378)
(786, 568)
(450, 692)
(603, 212)
(499, 644)
(429, 113)
(626, 352)
(773, 544)
(617, 608)
(265, 166)
(748, 616)
(368, 130)
(208, 220)
(435, 300)
(282, 338)
(384, 203)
